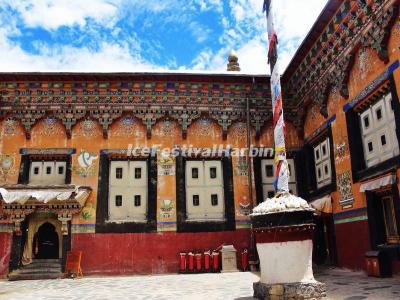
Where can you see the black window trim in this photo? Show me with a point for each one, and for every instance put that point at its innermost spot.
(102, 224)
(47, 154)
(312, 190)
(358, 166)
(183, 225)
(291, 153)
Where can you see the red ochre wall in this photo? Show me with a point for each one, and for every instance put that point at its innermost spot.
(148, 253)
(5, 250)
(353, 241)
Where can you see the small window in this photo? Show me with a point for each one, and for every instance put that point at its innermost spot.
(213, 173)
(326, 170)
(118, 200)
(48, 170)
(317, 154)
(60, 170)
(137, 200)
(379, 114)
(138, 173)
(370, 147)
(271, 194)
(366, 122)
(195, 173)
(36, 170)
(323, 150)
(392, 104)
(118, 173)
(319, 173)
(383, 140)
(196, 200)
(214, 199)
(290, 169)
(269, 170)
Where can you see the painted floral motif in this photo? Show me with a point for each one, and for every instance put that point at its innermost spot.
(48, 126)
(87, 128)
(128, 126)
(11, 127)
(345, 190)
(364, 58)
(241, 166)
(165, 128)
(239, 131)
(7, 162)
(341, 152)
(204, 127)
(244, 208)
(86, 166)
(166, 208)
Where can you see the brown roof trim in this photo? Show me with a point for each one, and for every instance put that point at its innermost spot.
(138, 76)
(313, 35)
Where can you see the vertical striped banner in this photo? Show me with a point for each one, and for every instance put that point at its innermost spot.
(281, 182)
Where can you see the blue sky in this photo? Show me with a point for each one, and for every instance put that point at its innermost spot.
(147, 35)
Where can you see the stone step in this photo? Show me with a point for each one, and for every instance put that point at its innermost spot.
(42, 265)
(17, 276)
(40, 271)
(56, 260)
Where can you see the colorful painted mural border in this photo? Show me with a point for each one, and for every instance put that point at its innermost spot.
(354, 215)
(372, 86)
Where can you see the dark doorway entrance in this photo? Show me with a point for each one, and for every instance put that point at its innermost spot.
(45, 242)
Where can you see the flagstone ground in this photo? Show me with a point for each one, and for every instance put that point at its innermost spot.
(341, 284)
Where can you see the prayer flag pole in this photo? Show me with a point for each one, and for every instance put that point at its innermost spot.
(281, 181)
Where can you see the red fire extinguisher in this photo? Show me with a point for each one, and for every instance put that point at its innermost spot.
(245, 260)
(198, 262)
(207, 258)
(190, 262)
(215, 261)
(182, 262)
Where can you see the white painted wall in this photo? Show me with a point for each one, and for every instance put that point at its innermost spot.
(286, 262)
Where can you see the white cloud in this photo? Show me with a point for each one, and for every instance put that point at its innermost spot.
(244, 30)
(51, 14)
(108, 58)
(246, 33)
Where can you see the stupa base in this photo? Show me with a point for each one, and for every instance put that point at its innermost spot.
(286, 291)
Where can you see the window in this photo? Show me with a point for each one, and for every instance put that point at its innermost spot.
(195, 173)
(138, 173)
(268, 177)
(214, 199)
(204, 191)
(126, 182)
(322, 160)
(60, 170)
(196, 200)
(137, 201)
(118, 200)
(378, 131)
(213, 173)
(47, 172)
(118, 173)
(390, 219)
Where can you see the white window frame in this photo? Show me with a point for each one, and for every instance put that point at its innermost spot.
(204, 186)
(128, 187)
(323, 165)
(42, 178)
(375, 151)
(268, 181)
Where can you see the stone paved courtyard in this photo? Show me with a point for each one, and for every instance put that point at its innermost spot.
(341, 284)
